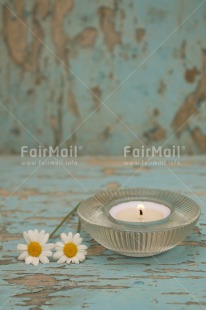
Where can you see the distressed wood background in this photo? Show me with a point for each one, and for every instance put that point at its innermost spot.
(39, 198)
(61, 59)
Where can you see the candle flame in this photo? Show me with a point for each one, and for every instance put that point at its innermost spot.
(140, 207)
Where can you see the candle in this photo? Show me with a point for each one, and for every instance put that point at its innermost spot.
(140, 211)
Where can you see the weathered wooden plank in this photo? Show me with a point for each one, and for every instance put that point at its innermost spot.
(105, 280)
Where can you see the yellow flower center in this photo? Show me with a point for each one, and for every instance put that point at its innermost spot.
(70, 249)
(34, 249)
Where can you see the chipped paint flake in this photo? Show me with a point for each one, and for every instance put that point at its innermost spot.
(192, 104)
(111, 36)
(87, 37)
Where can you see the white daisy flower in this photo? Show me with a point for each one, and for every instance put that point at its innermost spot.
(70, 250)
(36, 248)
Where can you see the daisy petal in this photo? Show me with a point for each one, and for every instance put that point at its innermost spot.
(81, 256)
(82, 247)
(45, 239)
(31, 235)
(59, 244)
(64, 238)
(70, 236)
(23, 255)
(69, 260)
(26, 237)
(79, 241)
(48, 246)
(35, 261)
(76, 238)
(58, 254)
(58, 248)
(47, 253)
(83, 252)
(43, 259)
(63, 259)
(41, 235)
(28, 260)
(21, 247)
(36, 235)
(75, 260)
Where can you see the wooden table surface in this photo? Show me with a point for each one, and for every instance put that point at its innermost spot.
(40, 196)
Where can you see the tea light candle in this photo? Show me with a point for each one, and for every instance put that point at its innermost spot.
(140, 211)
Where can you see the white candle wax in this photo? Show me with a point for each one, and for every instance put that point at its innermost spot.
(140, 211)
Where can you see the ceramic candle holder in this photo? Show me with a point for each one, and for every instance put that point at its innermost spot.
(136, 238)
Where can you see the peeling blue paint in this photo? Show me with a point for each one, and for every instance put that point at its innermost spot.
(98, 43)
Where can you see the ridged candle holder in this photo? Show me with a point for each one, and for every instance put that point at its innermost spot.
(138, 240)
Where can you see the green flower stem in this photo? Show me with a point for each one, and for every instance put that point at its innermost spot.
(64, 219)
(79, 226)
